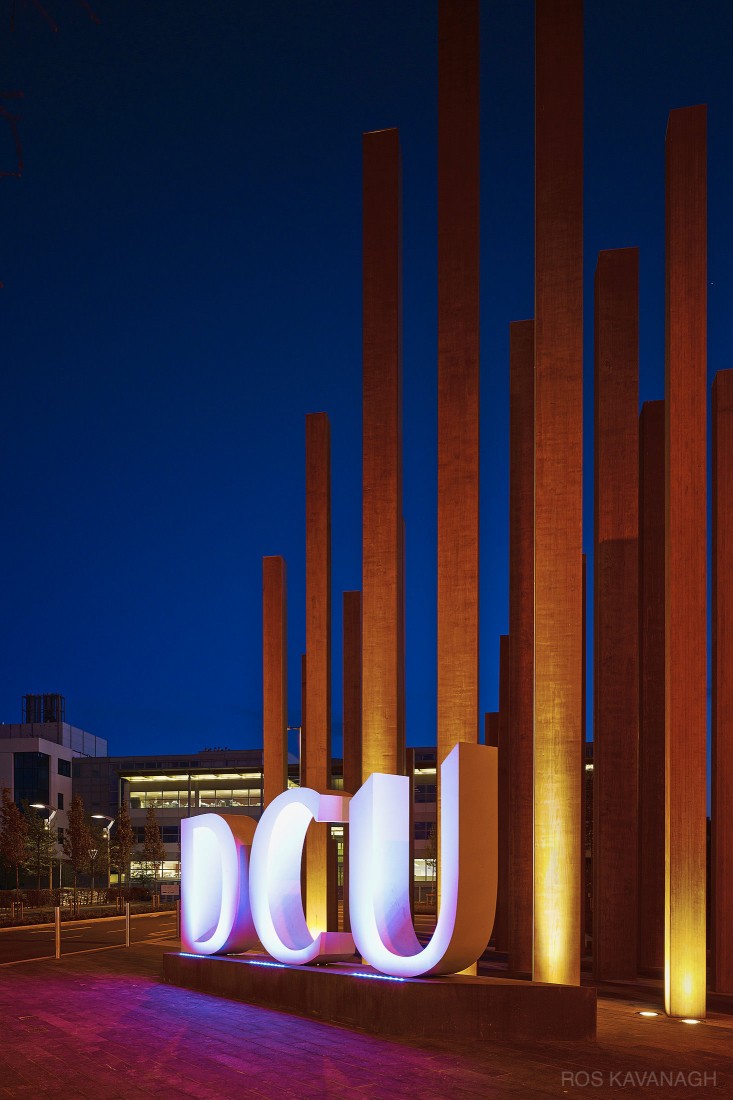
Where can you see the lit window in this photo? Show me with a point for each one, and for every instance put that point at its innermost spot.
(424, 870)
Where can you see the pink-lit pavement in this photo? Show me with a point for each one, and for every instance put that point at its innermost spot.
(102, 1026)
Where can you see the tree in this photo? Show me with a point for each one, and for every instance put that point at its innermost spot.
(13, 833)
(153, 847)
(40, 844)
(97, 848)
(77, 838)
(123, 844)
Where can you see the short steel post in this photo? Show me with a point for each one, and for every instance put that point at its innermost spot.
(127, 924)
(57, 919)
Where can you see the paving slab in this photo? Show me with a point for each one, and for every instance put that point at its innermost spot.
(104, 1026)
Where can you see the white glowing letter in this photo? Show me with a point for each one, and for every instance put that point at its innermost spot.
(215, 913)
(379, 878)
(274, 876)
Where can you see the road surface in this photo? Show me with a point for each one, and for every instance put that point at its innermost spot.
(37, 941)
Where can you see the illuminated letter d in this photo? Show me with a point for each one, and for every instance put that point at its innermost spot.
(215, 913)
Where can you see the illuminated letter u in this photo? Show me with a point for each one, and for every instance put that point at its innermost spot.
(379, 879)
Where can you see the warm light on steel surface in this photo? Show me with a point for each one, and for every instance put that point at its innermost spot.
(685, 623)
(556, 825)
(684, 978)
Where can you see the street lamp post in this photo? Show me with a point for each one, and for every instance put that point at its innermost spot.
(51, 815)
(93, 853)
(107, 829)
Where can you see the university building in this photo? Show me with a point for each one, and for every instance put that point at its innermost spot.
(175, 786)
(227, 781)
(44, 761)
(37, 757)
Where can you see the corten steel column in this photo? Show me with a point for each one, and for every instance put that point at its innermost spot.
(651, 689)
(303, 756)
(410, 772)
(318, 652)
(458, 373)
(274, 678)
(722, 769)
(382, 543)
(303, 736)
(352, 716)
(521, 631)
(491, 728)
(558, 487)
(616, 614)
(505, 750)
(685, 553)
(403, 646)
(584, 875)
(352, 692)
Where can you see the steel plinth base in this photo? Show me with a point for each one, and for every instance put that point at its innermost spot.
(357, 997)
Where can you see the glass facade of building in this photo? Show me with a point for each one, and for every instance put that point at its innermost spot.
(30, 777)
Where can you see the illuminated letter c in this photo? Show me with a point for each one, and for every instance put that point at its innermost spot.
(274, 878)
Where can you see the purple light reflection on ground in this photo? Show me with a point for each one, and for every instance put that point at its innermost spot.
(105, 1026)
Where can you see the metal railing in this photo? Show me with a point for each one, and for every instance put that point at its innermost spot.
(61, 936)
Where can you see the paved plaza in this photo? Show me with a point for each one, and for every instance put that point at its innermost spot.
(101, 1025)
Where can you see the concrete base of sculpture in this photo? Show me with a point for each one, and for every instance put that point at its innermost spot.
(357, 997)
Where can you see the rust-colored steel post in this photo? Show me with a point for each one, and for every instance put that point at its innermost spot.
(303, 754)
(383, 730)
(722, 769)
(352, 691)
(458, 373)
(685, 553)
(274, 678)
(584, 872)
(317, 769)
(491, 728)
(352, 717)
(501, 932)
(410, 770)
(303, 741)
(521, 630)
(616, 614)
(651, 689)
(558, 487)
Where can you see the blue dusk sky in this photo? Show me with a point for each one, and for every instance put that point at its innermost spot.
(181, 264)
